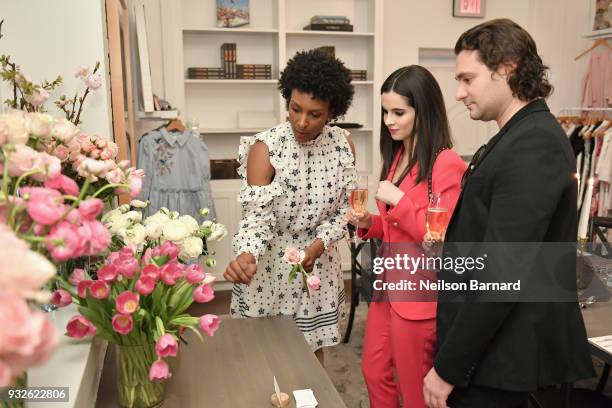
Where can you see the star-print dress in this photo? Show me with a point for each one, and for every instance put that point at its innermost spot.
(307, 199)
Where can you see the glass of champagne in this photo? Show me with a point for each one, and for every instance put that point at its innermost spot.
(436, 219)
(358, 199)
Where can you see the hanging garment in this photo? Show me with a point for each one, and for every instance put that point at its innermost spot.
(597, 82)
(177, 172)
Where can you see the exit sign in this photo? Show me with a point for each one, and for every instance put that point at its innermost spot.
(468, 8)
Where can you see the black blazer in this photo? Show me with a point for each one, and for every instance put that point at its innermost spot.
(522, 189)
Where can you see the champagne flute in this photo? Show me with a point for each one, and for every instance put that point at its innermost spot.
(358, 199)
(436, 219)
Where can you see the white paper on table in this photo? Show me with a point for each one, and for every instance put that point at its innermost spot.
(305, 398)
(603, 342)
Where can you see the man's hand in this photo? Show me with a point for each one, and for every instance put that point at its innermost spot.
(242, 269)
(388, 193)
(436, 390)
(312, 253)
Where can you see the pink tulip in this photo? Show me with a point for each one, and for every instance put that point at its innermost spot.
(194, 274)
(82, 287)
(145, 285)
(78, 327)
(170, 272)
(99, 289)
(61, 298)
(122, 324)
(63, 242)
(209, 324)
(108, 273)
(169, 249)
(203, 294)
(159, 371)
(135, 181)
(127, 302)
(77, 276)
(91, 208)
(151, 270)
(313, 282)
(166, 346)
(128, 267)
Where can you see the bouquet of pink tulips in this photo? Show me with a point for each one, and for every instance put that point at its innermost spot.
(295, 257)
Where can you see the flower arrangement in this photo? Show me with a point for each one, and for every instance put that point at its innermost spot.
(295, 257)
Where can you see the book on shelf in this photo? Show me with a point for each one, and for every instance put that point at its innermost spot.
(319, 19)
(228, 59)
(233, 13)
(359, 74)
(329, 50)
(329, 27)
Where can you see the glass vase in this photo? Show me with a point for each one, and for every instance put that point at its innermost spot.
(134, 388)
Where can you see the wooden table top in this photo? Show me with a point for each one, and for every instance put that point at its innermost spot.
(235, 368)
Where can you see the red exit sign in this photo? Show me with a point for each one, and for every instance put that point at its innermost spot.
(468, 8)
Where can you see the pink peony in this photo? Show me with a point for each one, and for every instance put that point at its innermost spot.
(61, 298)
(194, 274)
(313, 282)
(79, 326)
(21, 160)
(63, 242)
(61, 152)
(78, 275)
(145, 285)
(44, 205)
(108, 273)
(82, 287)
(293, 255)
(91, 208)
(209, 324)
(122, 324)
(99, 289)
(63, 183)
(166, 346)
(127, 302)
(159, 371)
(203, 294)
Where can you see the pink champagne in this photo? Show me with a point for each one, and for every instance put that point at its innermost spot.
(358, 200)
(437, 218)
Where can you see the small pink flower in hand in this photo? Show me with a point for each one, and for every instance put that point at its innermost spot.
(313, 282)
(293, 255)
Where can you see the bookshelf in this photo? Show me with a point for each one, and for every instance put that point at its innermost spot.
(273, 36)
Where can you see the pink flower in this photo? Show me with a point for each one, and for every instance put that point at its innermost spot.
(107, 273)
(91, 208)
(170, 272)
(194, 274)
(203, 294)
(44, 205)
(135, 181)
(21, 160)
(293, 255)
(128, 267)
(63, 242)
(159, 371)
(78, 275)
(151, 270)
(96, 237)
(63, 131)
(114, 176)
(74, 217)
(169, 249)
(145, 285)
(37, 97)
(93, 81)
(82, 287)
(313, 282)
(79, 326)
(166, 346)
(127, 302)
(61, 298)
(209, 324)
(81, 72)
(6, 375)
(50, 165)
(61, 152)
(99, 289)
(122, 324)
(64, 183)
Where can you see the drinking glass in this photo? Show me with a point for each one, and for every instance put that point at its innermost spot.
(358, 199)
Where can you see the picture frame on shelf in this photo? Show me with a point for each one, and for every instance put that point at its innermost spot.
(599, 23)
(233, 13)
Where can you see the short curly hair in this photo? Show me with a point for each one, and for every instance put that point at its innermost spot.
(318, 73)
(502, 41)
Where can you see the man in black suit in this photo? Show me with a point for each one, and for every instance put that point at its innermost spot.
(521, 188)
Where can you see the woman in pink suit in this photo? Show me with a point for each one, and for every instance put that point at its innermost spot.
(415, 145)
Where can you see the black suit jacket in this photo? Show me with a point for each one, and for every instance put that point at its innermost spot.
(522, 189)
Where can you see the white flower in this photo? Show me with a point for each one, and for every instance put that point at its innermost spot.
(39, 124)
(93, 81)
(191, 247)
(207, 224)
(134, 216)
(64, 130)
(204, 212)
(81, 72)
(190, 223)
(136, 236)
(175, 231)
(158, 218)
(14, 127)
(208, 279)
(154, 230)
(218, 232)
(37, 97)
(138, 203)
(92, 167)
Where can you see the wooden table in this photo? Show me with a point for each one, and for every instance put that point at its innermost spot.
(234, 368)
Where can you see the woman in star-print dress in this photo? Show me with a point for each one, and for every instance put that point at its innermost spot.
(295, 180)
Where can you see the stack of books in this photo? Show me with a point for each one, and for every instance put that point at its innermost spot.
(205, 73)
(254, 71)
(229, 69)
(228, 60)
(359, 74)
(329, 23)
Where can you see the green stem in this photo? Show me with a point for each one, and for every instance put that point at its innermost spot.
(23, 176)
(106, 187)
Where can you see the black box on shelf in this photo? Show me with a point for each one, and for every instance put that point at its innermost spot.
(329, 27)
(224, 169)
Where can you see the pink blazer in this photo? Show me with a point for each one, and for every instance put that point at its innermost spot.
(405, 223)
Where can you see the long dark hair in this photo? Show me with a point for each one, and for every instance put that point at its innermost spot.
(422, 92)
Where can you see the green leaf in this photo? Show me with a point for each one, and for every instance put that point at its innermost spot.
(160, 326)
(197, 332)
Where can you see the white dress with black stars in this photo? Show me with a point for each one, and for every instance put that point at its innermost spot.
(307, 199)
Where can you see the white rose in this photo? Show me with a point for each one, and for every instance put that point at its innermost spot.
(64, 130)
(207, 224)
(39, 124)
(154, 230)
(157, 218)
(174, 215)
(117, 223)
(218, 232)
(136, 235)
(191, 247)
(134, 216)
(190, 223)
(138, 203)
(15, 127)
(175, 231)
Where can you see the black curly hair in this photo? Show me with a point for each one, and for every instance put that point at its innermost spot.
(502, 41)
(318, 73)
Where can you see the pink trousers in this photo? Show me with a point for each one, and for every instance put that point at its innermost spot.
(396, 348)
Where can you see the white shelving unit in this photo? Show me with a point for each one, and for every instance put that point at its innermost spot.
(274, 35)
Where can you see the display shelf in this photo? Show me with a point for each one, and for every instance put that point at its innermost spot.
(231, 81)
(214, 30)
(329, 33)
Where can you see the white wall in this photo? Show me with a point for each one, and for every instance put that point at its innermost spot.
(50, 38)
